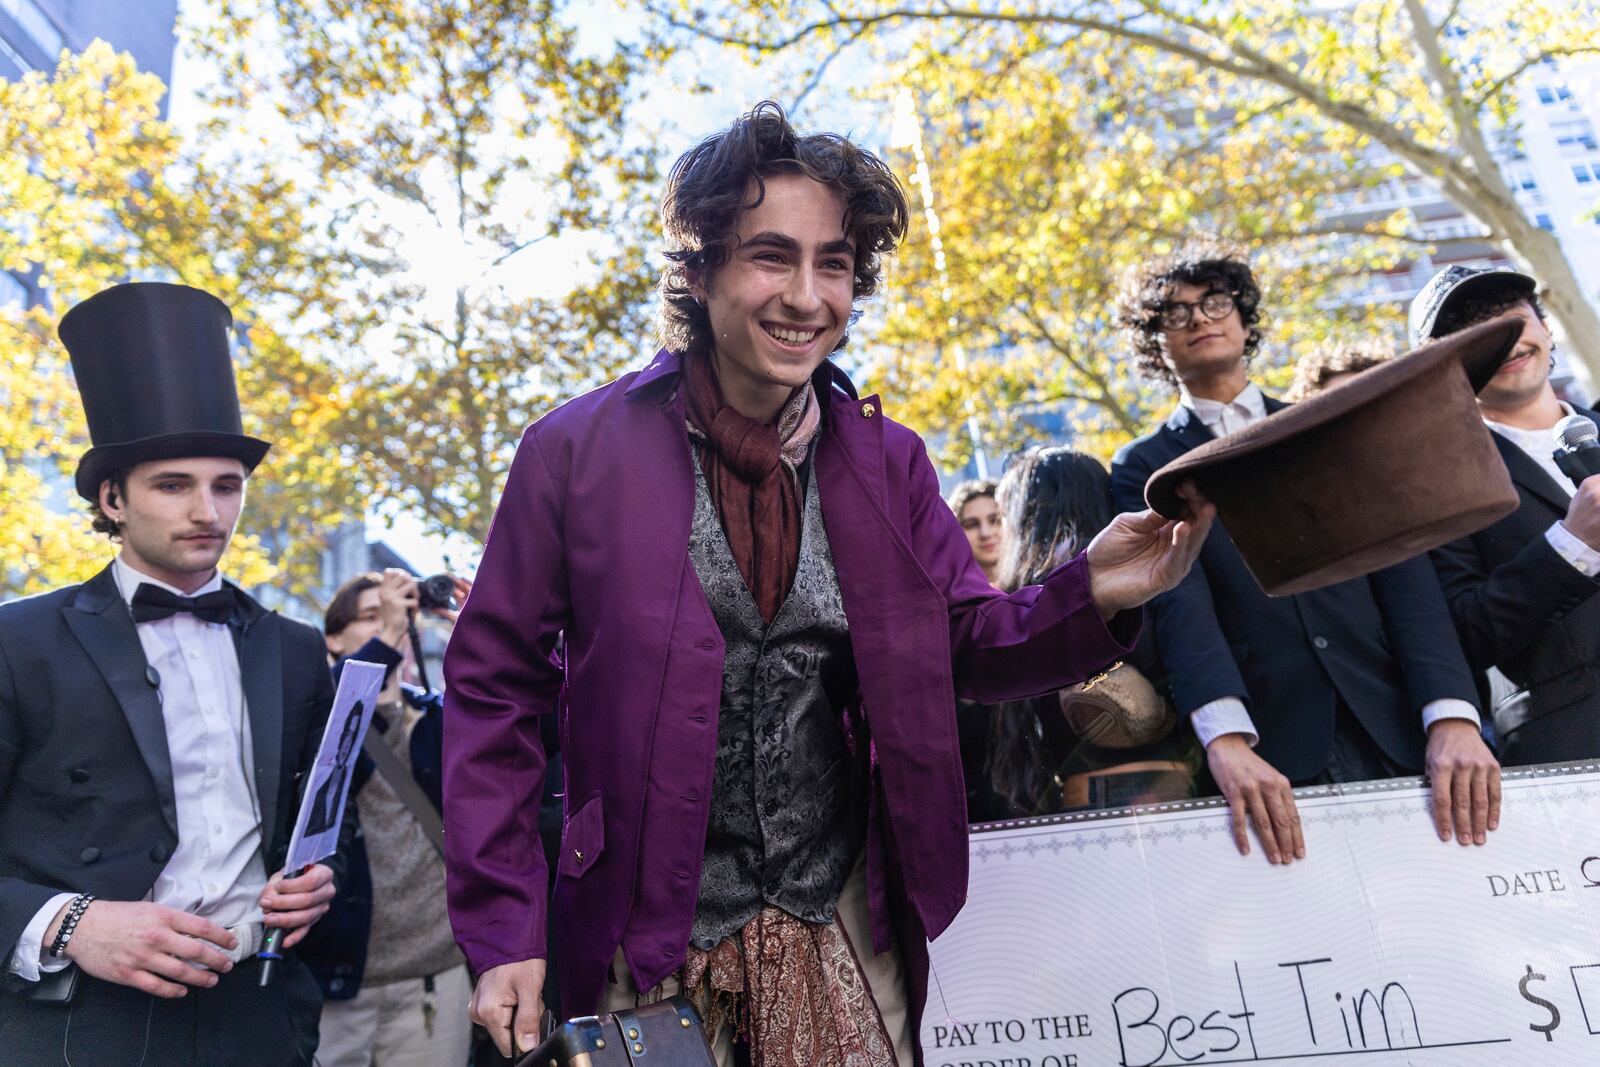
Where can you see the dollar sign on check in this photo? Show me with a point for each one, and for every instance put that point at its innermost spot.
(1532, 998)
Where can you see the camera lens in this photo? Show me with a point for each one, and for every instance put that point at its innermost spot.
(437, 591)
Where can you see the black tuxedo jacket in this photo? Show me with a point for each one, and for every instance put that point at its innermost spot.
(1383, 643)
(86, 788)
(1522, 608)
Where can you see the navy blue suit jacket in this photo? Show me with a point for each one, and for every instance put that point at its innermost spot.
(1385, 643)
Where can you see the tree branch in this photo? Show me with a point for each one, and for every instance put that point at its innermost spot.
(1496, 87)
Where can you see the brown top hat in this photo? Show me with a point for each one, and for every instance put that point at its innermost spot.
(1376, 470)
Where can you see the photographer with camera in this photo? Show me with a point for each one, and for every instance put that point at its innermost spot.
(394, 984)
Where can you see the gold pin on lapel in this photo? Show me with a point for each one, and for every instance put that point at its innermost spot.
(868, 410)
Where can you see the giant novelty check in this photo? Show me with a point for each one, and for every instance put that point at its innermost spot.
(1141, 938)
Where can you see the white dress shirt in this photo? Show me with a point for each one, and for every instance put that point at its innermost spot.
(1540, 445)
(1228, 715)
(216, 872)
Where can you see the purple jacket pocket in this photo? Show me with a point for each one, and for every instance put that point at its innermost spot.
(584, 839)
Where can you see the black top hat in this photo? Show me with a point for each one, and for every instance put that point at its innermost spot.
(153, 368)
(1431, 309)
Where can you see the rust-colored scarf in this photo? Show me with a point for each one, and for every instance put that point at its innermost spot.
(750, 470)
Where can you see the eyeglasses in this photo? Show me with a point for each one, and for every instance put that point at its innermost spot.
(1175, 314)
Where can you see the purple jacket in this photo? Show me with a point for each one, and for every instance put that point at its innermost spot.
(591, 537)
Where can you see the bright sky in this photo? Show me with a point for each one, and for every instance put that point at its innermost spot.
(670, 112)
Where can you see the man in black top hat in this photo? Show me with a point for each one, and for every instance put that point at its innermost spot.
(153, 724)
(1522, 591)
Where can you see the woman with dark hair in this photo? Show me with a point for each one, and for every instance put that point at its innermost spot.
(1060, 751)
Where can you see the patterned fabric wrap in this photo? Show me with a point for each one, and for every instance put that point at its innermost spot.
(793, 990)
(786, 820)
(750, 470)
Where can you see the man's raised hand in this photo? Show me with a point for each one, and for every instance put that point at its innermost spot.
(1144, 553)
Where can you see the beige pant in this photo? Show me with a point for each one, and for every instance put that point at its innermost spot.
(385, 1025)
(885, 977)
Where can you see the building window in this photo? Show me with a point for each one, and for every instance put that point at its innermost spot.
(1545, 222)
(36, 24)
(1524, 181)
(1553, 94)
(1575, 134)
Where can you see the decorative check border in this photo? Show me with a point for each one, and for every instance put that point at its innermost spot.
(1352, 803)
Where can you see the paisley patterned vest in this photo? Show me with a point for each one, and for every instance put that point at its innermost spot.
(785, 823)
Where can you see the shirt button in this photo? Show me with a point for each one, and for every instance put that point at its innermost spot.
(1320, 642)
(215, 830)
(194, 653)
(212, 889)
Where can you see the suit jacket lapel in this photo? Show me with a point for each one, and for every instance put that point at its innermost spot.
(1529, 475)
(259, 642)
(1188, 432)
(99, 618)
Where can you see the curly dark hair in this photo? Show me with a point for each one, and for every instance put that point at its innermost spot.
(723, 175)
(103, 523)
(1312, 372)
(1482, 305)
(1146, 287)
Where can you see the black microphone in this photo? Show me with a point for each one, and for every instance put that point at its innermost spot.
(1577, 448)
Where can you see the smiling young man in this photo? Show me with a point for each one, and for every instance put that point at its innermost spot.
(1522, 590)
(767, 612)
(1359, 680)
(152, 724)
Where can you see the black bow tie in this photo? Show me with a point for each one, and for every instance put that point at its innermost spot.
(151, 602)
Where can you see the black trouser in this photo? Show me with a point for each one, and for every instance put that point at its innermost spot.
(235, 1024)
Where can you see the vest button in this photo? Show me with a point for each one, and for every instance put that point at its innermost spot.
(1320, 642)
(89, 855)
(78, 775)
(159, 854)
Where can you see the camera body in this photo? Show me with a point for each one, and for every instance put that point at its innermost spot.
(437, 591)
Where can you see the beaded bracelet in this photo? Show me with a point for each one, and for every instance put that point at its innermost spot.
(75, 910)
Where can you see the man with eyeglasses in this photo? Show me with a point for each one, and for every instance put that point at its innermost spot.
(1361, 680)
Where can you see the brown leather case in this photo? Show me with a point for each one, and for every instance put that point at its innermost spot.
(664, 1034)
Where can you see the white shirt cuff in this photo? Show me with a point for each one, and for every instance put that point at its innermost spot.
(1570, 547)
(28, 960)
(1434, 710)
(1225, 715)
